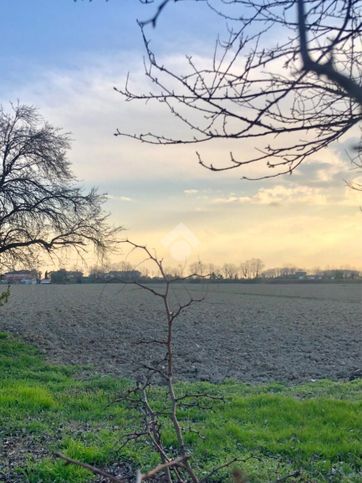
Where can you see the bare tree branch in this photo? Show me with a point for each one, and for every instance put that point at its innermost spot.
(285, 83)
(348, 84)
(91, 468)
(179, 461)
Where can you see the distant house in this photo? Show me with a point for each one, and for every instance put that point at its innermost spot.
(65, 276)
(74, 276)
(45, 281)
(301, 275)
(284, 273)
(123, 276)
(27, 277)
(339, 274)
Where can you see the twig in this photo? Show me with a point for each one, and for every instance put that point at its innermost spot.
(286, 477)
(169, 464)
(91, 468)
(218, 468)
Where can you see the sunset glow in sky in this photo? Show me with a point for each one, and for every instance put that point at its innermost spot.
(66, 57)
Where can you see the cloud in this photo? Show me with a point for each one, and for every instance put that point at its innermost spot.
(83, 101)
(278, 195)
(120, 198)
(191, 191)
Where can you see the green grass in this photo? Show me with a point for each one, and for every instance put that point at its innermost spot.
(273, 429)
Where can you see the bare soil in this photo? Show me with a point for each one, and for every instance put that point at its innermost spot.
(252, 333)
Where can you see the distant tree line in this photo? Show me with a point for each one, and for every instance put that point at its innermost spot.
(250, 270)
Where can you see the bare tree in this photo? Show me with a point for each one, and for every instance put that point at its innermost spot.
(287, 78)
(175, 462)
(125, 266)
(256, 267)
(251, 268)
(244, 269)
(287, 271)
(198, 268)
(229, 271)
(41, 206)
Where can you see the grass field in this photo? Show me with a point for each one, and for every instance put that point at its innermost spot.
(273, 429)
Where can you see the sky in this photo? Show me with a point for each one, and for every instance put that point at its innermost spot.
(65, 58)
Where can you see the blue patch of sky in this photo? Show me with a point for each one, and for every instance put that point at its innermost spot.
(46, 34)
